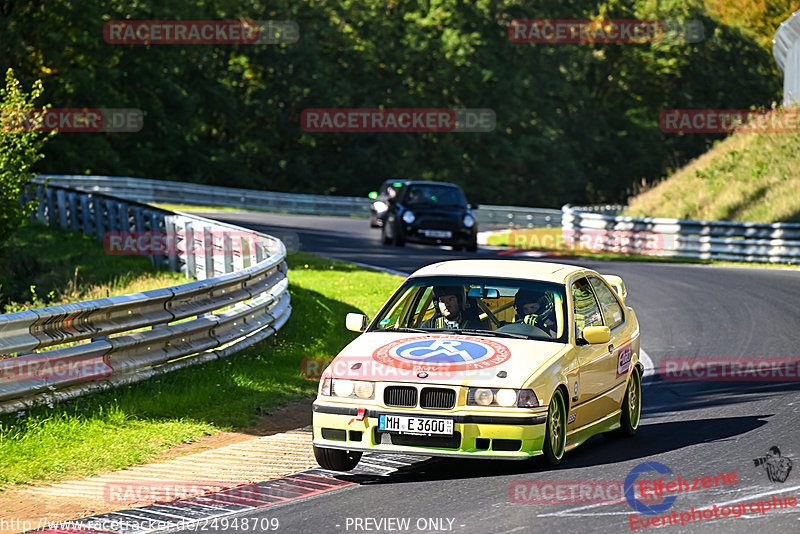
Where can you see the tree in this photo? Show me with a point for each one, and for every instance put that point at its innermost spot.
(20, 149)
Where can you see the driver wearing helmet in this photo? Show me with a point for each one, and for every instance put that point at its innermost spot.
(535, 309)
(451, 311)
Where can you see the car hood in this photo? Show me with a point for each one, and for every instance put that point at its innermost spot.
(467, 360)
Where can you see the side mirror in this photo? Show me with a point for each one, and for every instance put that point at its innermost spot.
(474, 206)
(358, 322)
(596, 334)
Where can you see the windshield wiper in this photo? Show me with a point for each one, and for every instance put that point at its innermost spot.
(398, 329)
(492, 333)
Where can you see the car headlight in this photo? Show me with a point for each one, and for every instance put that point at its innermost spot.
(359, 389)
(379, 207)
(409, 217)
(325, 386)
(508, 398)
(527, 399)
(364, 390)
(469, 220)
(343, 388)
(483, 396)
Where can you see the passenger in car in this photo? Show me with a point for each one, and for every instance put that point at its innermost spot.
(536, 309)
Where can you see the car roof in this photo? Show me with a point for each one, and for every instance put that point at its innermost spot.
(528, 270)
(423, 182)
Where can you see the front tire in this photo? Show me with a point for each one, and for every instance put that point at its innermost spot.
(555, 437)
(473, 246)
(335, 459)
(631, 405)
(385, 239)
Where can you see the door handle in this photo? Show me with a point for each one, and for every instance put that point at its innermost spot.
(611, 347)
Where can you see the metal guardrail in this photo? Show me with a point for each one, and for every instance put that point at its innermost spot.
(241, 298)
(735, 241)
(157, 191)
(786, 49)
(170, 192)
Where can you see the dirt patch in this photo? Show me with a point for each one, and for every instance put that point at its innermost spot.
(21, 510)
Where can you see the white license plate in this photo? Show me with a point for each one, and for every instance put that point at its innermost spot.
(437, 233)
(415, 425)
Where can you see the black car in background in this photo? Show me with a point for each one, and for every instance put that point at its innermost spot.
(436, 213)
(379, 208)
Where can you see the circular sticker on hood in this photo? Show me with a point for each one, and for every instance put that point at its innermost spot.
(442, 353)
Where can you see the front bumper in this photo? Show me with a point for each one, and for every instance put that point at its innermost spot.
(505, 435)
(458, 236)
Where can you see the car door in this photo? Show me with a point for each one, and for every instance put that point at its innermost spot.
(621, 347)
(597, 365)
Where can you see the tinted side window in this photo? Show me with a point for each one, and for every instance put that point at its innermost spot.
(587, 312)
(612, 311)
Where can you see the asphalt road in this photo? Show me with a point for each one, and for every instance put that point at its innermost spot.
(697, 429)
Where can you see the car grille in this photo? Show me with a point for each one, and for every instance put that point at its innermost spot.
(437, 398)
(437, 224)
(400, 396)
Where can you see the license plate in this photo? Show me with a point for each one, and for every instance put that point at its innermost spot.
(437, 233)
(415, 425)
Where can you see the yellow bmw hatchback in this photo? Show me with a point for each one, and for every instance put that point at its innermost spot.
(484, 359)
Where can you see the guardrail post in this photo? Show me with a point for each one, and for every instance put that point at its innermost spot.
(74, 223)
(227, 252)
(86, 214)
(155, 227)
(40, 209)
(172, 244)
(208, 252)
(111, 215)
(51, 206)
(124, 219)
(61, 201)
(99, 220)
(259, 251)
(138, 219)
(189, 243)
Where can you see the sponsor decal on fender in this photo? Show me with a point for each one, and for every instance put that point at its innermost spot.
(624, 360)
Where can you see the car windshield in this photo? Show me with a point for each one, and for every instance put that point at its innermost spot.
(489, 306)
(436, 195)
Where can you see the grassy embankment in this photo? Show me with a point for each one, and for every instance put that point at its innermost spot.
(133, 424)
(745, 177)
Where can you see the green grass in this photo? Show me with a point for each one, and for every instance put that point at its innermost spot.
(746, 177)
(132, 424)
(42, 265)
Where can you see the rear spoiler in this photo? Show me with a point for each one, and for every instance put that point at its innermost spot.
(618, 285)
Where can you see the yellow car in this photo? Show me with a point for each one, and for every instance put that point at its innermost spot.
(484, 359)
